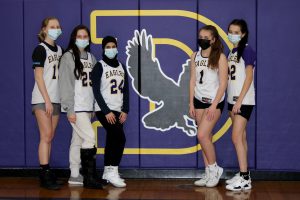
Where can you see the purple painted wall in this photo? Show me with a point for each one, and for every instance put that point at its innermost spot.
(273, 131)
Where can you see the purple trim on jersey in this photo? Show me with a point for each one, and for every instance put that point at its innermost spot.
(249, 56)
(234, 50)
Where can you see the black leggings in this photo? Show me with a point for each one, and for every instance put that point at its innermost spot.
(115, 139)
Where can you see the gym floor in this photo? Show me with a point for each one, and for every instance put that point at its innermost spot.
(151, 189)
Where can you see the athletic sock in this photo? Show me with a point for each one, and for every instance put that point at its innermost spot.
(213, 165)
(45, 167)
(245, 175)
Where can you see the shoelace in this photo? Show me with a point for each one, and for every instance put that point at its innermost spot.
(203, 176)
(213, 174)
(115, 175)
(206, 176)
(236, 177)
(240, 180)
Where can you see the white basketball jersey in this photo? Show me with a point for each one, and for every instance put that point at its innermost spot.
(50, 76)
(112, 83)
(84, 97)
(207, 80)
(237, 76)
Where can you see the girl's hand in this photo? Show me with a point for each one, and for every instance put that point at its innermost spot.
(49, 108)
(111, 118)
(237, 107)
(192, 112)
(211, 112)
(123, 117)
(72, 118)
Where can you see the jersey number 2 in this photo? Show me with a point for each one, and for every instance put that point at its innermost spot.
(232, 72)
(115, 87)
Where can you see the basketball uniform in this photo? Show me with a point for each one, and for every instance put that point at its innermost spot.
(50, 76)
(207, 80)
(80, 93)
(112, 83)
(84, 97)
(237, 76)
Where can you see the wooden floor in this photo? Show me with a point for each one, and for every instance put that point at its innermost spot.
(28, 188)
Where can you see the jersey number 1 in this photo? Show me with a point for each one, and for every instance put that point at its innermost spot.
(201, 77)
(54, 72)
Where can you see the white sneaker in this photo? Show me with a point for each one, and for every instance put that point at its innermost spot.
(112, 176)
(215, 174)
(105, 173)
(202, 182)
(240, 184)
(76, 180)
(233, 179)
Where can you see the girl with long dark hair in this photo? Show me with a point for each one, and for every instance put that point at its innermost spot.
(241, 98)
(77, 100)
(208, 83)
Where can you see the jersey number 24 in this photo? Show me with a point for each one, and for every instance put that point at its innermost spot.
(115, 87)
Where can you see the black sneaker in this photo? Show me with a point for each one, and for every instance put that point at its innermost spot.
(91, 183)
(102, 182)
(47, 181)
(54, 178)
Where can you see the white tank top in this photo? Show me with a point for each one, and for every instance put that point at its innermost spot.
(112, 83)
(237, 76)
(84, 97)
(50, 76)
(207, 80)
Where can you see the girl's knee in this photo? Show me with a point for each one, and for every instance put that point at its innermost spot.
(203, 136)
(236, 139)
(47, 137)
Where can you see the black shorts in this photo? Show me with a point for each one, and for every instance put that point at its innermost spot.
(200, 105)
(246, 110)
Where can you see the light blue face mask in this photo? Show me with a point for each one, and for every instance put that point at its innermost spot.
(54, 33)
(82, 43)
(234, 39)
(111, 53)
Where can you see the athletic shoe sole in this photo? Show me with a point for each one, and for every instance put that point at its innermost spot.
(238, 189)
(75, 183)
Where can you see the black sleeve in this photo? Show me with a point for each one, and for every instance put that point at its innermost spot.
(125, 107)
(38, 56)
(96, 84)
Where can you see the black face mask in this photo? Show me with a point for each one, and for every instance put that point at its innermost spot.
(203, 43)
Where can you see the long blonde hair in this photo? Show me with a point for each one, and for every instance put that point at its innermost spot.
(42, 34)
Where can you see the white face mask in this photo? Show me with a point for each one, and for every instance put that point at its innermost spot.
(111, 53)
(234, 39)
(82, 43)
(54, 33)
